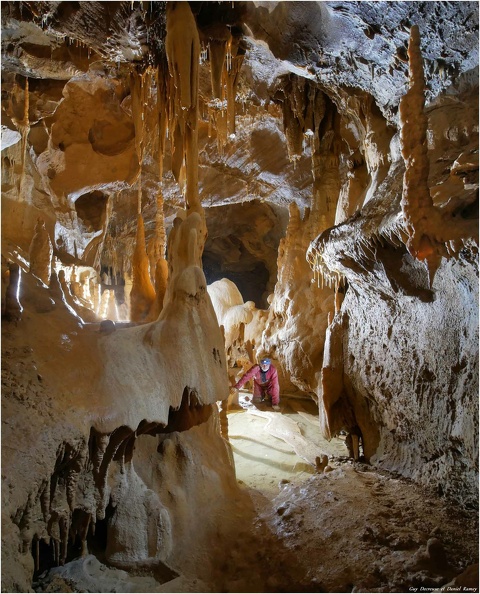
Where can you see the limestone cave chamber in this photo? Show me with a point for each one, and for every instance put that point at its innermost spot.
(189, 188)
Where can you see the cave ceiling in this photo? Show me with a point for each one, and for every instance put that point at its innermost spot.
(78, 59)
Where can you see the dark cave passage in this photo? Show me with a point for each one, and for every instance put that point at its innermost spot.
(252, 283)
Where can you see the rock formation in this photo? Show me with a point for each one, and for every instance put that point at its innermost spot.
(318, 164)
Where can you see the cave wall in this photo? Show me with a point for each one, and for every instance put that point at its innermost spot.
(415, 363)
(401, 367)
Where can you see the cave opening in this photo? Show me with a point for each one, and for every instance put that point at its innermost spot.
(91, 210)
(251, 282)
(242, 246)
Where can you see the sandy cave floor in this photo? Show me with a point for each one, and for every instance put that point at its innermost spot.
(352, 529)
(266, 463)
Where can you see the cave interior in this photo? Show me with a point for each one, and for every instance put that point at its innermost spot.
(188, 187)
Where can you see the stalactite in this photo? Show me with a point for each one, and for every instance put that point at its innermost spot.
(218, 49)
(231, 80)
(308, 112)
(73, 475)
(79, 529)
(142, 295)
(218, 120)
(64, 523)
(162, 115)
(324, 275)
(417, 204)
(37, 554)
(23, 126)
(182, 44)
(45, 500)
(138, 112)
(178, 154)
(158, 261)
(137, 90)
(41, 252)
(325, 164)
(100, 447)
(427, 229)
(191, 166)
(338, 300)
(293, 132)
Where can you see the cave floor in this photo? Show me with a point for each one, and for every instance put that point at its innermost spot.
(266, 463)
(352, 529)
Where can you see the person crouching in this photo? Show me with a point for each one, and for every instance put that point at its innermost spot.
(265, 383)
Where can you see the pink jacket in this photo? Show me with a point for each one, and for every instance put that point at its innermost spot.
(270, 386)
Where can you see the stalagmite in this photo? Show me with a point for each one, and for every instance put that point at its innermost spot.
(161, 283)
(186, 242)
(54, 289)
(157, 259)
(83, 312)
(142, 295)
(223, 419)
(41, 252)
(13, 308)
(331, 414)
